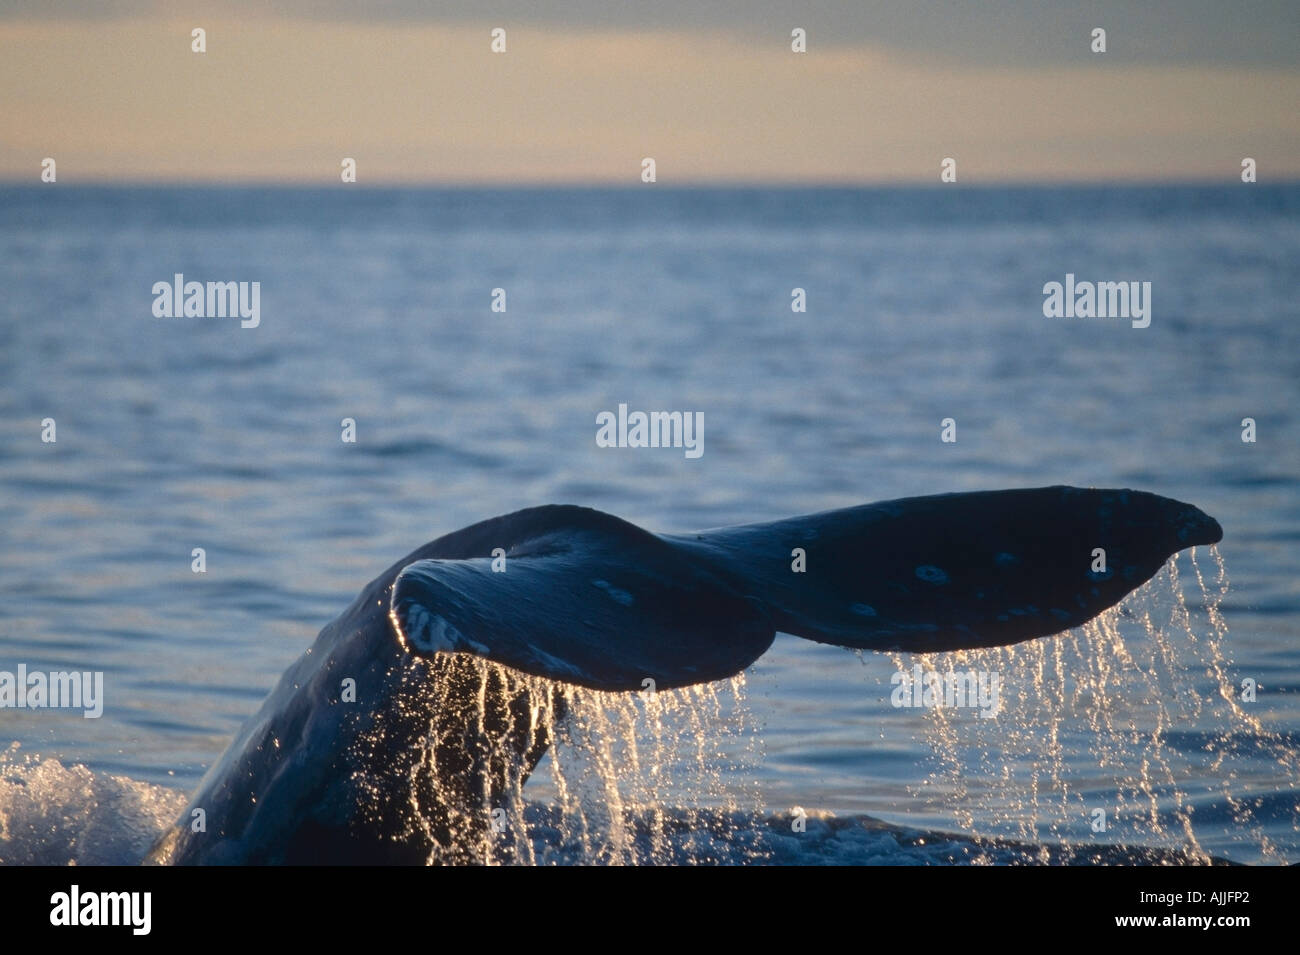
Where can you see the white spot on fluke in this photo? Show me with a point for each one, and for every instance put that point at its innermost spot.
(430, 633)
(931, 574)
(622, 596)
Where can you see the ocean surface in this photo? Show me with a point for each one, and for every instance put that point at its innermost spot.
(922, 304)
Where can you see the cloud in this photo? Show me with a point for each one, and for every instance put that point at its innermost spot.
(286, 100)
(1263, 33)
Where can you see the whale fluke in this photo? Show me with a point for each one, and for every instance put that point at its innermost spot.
(408, 769)
(584, 598)
(587, 598)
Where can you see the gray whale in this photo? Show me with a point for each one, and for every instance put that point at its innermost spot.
(409, 770)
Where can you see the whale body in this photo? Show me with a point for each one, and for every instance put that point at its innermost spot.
(390, 742)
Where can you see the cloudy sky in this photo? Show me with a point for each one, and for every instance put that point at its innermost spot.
(888, 88)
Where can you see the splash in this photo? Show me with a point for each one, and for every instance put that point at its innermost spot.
(51, 814)
(1143, 693)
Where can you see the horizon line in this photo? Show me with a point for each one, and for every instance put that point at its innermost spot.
(452, 185)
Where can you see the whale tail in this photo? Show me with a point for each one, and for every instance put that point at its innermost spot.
(580, 597)
(586, 598)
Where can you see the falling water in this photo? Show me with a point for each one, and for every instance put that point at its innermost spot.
(638, 778)
(648, 778)
(1145, 694)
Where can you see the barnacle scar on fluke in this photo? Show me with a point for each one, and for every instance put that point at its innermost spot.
(591, 600)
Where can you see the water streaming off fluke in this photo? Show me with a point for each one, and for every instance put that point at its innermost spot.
(1146, 694)
(638, 778)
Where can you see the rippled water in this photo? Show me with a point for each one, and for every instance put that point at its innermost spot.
(183, 433)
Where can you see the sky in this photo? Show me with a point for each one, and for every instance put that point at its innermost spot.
(587, 89)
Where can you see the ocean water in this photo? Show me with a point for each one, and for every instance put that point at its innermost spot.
(922, 304)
